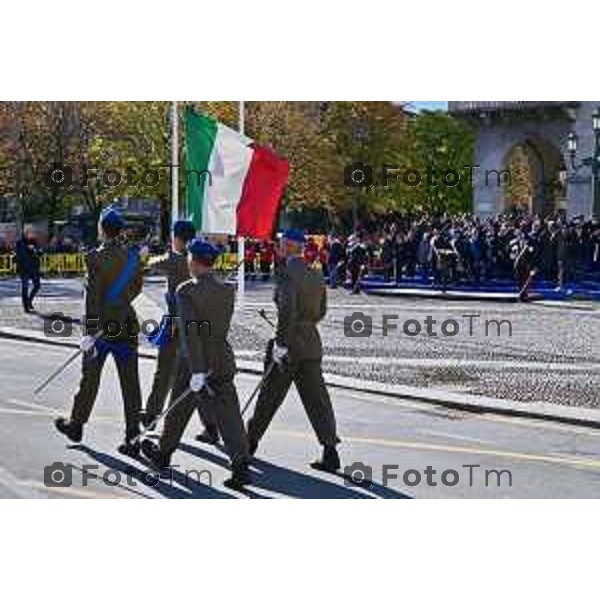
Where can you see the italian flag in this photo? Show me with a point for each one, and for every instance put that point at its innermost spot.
(232, 185)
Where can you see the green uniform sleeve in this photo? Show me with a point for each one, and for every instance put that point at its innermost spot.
(287, 311)
(191, 341)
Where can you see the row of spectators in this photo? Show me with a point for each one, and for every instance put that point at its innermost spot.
(464, 248)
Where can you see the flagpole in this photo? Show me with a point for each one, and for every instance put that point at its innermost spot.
(241, 287)
(175, 212)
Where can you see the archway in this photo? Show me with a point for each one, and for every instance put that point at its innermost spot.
(537, 182)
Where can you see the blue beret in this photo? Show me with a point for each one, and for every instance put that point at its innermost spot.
(202, 250)
(184, 229)
(294, 235)
(112, 217)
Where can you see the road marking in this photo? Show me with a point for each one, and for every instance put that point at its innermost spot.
(522, 456)
(455, 436)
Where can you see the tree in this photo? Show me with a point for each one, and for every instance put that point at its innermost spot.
(443, 146)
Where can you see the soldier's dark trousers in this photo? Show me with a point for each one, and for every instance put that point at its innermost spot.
(224, 407)
(27, 297)
(308, 377)
(164, 376)
(85, 397)
(164, 379)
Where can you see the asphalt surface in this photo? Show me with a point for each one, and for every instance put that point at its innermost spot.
(544, 460)
(549, 351)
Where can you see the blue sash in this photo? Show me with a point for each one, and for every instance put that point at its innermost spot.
(120, 350)
(118, 285)
(163, 335)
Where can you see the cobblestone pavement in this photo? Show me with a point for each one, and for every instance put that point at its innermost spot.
(545, 352)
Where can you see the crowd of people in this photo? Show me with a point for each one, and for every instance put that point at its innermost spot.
(440, 250)
(463, 249)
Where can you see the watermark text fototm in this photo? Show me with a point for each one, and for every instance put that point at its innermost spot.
(58, 325)
(360, 474)
(358, 324)
(60, 175)
(361, 175)
(60, 475)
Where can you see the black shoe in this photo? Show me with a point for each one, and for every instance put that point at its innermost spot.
(240, 477)
(128, 448)
(152, 452)
(73, 430)
(210, 435)
(330, 461)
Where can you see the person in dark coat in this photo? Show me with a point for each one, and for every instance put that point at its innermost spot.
(27, 256)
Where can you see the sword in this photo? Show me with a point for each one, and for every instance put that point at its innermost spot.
(258, 387)
(173, 404)
(266, 374)
(58, 371)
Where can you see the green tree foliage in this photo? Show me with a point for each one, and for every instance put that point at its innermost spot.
(317, 138)
(440, 143)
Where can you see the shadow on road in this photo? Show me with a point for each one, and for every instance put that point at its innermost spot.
(147, 477)
(274, 478)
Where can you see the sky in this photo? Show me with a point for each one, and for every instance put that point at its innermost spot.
(430, 104)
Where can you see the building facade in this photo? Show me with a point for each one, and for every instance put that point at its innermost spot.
(537, 131)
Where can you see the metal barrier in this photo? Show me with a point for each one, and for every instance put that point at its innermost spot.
(73, 264)
(51, 264)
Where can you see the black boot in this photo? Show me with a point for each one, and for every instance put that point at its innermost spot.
(131, 446)
(210, 435)
(240, 477)
(73, 430)
(330, 462)
(152, 452)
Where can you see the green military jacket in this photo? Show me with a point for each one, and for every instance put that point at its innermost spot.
(174, 266)
(301, 300)
(205, 308)
(103, 266)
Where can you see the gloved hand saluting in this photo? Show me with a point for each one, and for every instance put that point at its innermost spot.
(87, 343)
(279, 354)
(197, 382)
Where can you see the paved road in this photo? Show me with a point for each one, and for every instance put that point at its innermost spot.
(545, 460)
(552, 355)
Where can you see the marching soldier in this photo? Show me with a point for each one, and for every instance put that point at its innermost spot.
(206, 365)
(174, 265)
(301, 302)
(113, 280)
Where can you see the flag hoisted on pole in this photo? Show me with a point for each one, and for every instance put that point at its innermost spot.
(233, 185)
(175, 214)
(241, 244)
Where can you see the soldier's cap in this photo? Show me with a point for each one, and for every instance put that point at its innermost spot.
(294, 235)
(184, 230)
(202, 251)
(111, 217)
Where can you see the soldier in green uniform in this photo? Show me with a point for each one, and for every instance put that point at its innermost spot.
(113, 280)
(174, 265)
(301, 301)
(206, 365)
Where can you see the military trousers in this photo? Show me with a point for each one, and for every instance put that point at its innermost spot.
(164, 379)
(307, 375)
(223, 407)
(127, 369)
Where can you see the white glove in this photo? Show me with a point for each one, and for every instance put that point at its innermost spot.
(197, 382)
(279, 354)
(143, 253)
(87, 343)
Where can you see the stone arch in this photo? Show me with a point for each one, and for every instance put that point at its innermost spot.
(537, 185)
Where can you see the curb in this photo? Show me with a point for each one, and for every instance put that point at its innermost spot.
(544, 411)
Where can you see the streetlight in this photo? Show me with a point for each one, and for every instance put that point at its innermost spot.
(592, 161)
